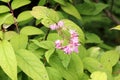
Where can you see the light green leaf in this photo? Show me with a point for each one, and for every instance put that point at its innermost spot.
(56, 63)
(19, 3)
(110, 58)
(71, 25)
(92, 38)
(19, 41)
(117, 77)
(4, 9)
(65, 59)
(44, 44)
(5, 1)
(31, 30)
(98, 75)
(92, 64)
(25, 15)
(116, 27)
(9, 20)
(31, 65)
(54, 74)
(62, 2)
(3, 18)
(48, 16)
(48, 54)
(8, 59)
(94, 52)
(76, 65)
(9, 34)
(70, 9)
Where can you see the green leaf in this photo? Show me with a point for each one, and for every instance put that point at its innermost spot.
(92, 64)
(6, 1)
(9, 34)
(117, 77)
(62, 2)
(94, 52)
(31, 30)
(98, 75)
(48, 16)
(116, 27)
(25, 15)
(19, 3)
(33, 67)
(53, 74)
(76, 65)
(19, 42)
(92, 38)
(4, 9)
(42, 2)
(110, 58)
(8, 59)
(9, 20)
(70, 9)
(71, 25)
(3, 17)
(44, 44)
(90, 8)
(56, 63)
(65, 59)
(48, 54)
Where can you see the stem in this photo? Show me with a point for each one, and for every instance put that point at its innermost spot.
(47, 34)
(15, 20)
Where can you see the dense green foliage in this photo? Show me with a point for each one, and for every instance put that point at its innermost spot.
(27, 44)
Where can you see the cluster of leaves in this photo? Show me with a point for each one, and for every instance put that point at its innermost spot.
(27, 52)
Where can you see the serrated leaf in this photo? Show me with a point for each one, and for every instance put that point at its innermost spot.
(116, 27)
(110, 58)
(70, 9)
(48, 16)
(25, 15)
(5, 1)
(33, 67)
(19, 3)
(71, 25)
(62, 2)
(48, 54)
(53, 74)
(8, 59)
(31, 30)
(4, 9)
(19, 41)
(98, 75)
(44, 44)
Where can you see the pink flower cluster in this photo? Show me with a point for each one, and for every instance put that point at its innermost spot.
(56, 26)
(73, 42)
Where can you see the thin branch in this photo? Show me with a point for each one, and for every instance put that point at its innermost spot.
(15, 20)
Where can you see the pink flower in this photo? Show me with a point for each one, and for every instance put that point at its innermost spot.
(60, 23)
(58, 44)
(56, 26)
(53, 26)
(73, 33)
